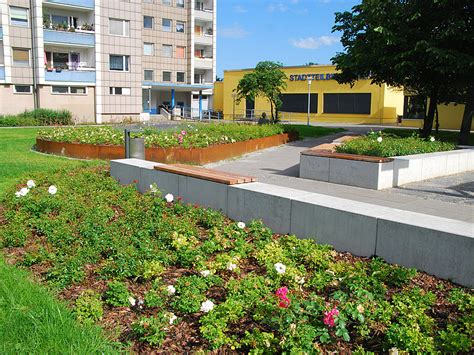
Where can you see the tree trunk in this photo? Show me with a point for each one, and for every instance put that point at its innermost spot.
(428, 121)
(271, 108)
(467, 119)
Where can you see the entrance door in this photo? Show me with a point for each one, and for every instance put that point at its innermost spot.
(249, 107)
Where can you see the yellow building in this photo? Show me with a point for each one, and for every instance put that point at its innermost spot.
(363, 103)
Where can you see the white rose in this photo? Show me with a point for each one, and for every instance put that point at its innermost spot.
(169, 198)
(52, 190)
(231, 266)
(205, 273)
(241, 225)
(280, 268)
(30, 184)
(132, 301)
(432, 139)
(171, 290)
(379, 139)
(207, 306)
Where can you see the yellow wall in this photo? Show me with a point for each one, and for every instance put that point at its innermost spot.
(219, 96)
(386, 103)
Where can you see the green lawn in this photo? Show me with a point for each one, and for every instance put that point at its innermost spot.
(305, 131)
(31, 319)
(446, 136)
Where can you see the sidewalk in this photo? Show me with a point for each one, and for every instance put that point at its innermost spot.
(280, 166)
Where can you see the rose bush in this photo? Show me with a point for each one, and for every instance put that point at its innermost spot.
(167, 276)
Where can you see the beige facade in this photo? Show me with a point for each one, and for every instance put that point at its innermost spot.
(108, 60)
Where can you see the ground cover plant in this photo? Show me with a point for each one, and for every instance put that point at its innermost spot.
(37, 117)
(444, 136)
(381, 144)
(185, 136)
(172, 277)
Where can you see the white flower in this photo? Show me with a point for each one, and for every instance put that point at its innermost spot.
(30, 184)
(132, 301)
(153, 189)
(18, 194)
(280, 268)
(207, 306)
(172, 318)
(171, 290)
(231, 266)
(379, 139)
(52, 190)
(205, 273)
(432, 139)
(241, 225)
(300, 280)
(24, 191)
(169, 198)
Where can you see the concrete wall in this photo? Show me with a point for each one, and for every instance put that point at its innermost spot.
(12, 103)
(439, 246)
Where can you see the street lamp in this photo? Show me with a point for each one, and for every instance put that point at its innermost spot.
(234, 96)
(309, 99)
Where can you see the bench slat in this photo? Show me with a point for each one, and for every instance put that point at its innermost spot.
(223, 173)
(204, 174)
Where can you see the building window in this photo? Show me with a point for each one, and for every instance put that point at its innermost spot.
(18, 16)
(120, 91)
(166, 2)
(148, 1)
(180, 52)
(148, 49)
(166, 76)
(167, 50)
(21, 57)
(119, 62)
(73, 90)
(180, 3)
(180, 26)
(298, 103)
(148, 75)
(22, 89)
(347, 103)
(180, 77)
(166, 24)
(119, 27)
(148, 21)
(61, 60)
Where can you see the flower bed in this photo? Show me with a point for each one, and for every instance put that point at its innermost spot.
(165, 276)
(381, 144)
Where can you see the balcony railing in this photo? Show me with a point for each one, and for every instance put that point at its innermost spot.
(66, 37)
(204, 39)
(87, 4)
(2, 73)
(203, 63)
(75, 76)
(206, 14)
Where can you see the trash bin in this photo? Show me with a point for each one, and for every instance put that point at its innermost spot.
(137, 148)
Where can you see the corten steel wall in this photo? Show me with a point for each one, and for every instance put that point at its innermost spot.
(198, 156)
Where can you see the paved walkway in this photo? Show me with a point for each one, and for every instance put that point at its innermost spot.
(450, 197)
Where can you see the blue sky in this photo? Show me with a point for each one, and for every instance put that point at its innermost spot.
(293, 32)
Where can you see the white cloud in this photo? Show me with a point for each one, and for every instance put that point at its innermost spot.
(235, 31)
(281, 6)
(315, 42)
(239, 9)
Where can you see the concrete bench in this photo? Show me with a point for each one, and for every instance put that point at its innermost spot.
(365, 158)
(220, 177)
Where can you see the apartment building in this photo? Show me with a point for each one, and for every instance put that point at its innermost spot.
(108, 60)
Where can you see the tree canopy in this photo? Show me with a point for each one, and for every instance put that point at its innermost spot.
(268, 81)
(425, 46)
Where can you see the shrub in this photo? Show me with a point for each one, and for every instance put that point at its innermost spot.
(151, 329)
(117, 294)
(88, 307)
(38, 117)
(387, 145)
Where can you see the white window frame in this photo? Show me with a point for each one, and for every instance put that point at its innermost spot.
(69, 88)
(180, 23)
(163, 28)
(29, 57)
(166, 2)
(27, 16)
(183, 2)
(167, 46)
(21, 92)
(152, 45)
(152, 22)
(124, 59)
(112, 91)
(124, 27)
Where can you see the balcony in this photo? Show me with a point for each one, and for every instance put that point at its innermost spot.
(2, 73)
(205, 15)
(204, 39)
(203, 63)
(84, 4)
(72, 76)
(77, 39)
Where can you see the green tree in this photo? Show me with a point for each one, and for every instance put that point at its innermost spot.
(268, 81)
(425, 46)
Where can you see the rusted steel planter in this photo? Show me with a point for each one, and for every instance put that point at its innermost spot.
(199, 156)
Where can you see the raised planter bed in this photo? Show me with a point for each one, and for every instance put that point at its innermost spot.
(199, 156)
(382, 173)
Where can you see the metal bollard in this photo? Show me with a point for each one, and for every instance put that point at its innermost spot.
(126, 133)
(137, 148)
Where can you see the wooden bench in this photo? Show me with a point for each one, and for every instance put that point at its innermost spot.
(355, 157)
(206, 174)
